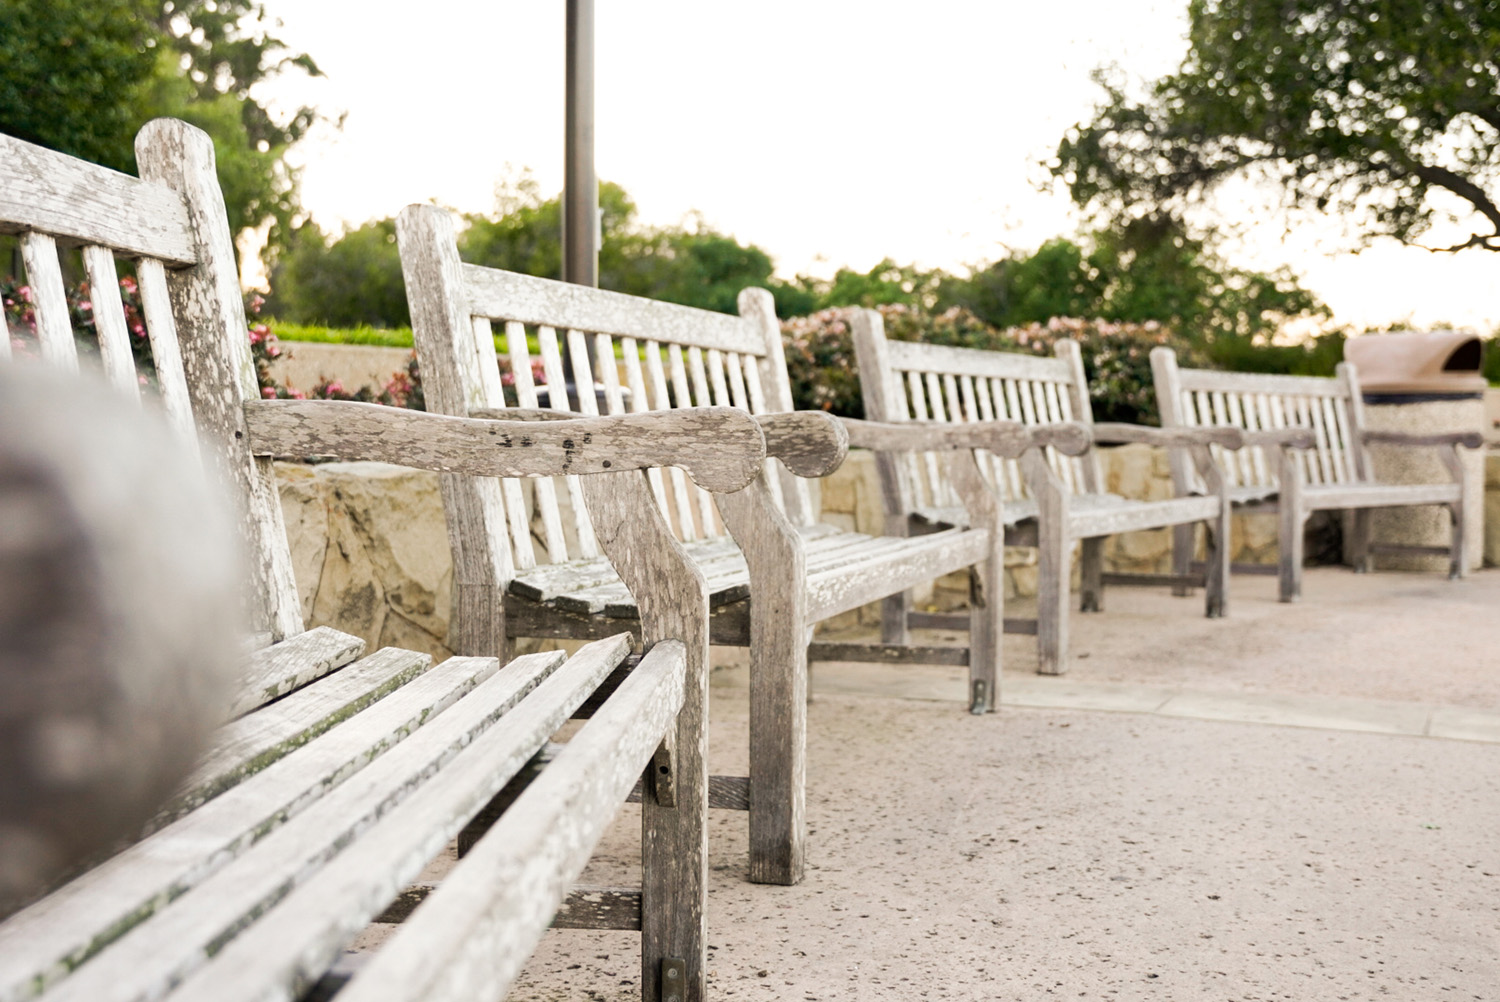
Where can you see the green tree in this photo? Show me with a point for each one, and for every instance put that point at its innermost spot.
(885, 284)
(1149, 269)
(82, 77)
(1385, 110)
(690, 264)
(1058, 280)
(73, 74)
(348, 282)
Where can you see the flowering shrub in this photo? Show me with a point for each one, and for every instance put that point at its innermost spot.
(403, 389)
(820, 355)
(1117, 358)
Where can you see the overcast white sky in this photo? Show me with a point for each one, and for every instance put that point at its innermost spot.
(829, 133)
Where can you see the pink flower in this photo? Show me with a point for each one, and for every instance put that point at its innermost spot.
(25, 293)
(128, 284)
(269, 392)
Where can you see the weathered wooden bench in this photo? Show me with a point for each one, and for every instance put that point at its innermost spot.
(1050, 500)
(1325, 466)
(773, 571)
(339, 778)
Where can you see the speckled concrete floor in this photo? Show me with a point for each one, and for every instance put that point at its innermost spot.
(1066, 853)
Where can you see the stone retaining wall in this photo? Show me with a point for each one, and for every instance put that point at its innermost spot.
(370, 550)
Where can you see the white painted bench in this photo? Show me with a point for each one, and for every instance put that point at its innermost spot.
(1049, 500)
(1328, 469)
(526, 567)
(313, 813)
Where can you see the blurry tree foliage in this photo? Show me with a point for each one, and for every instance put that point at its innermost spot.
(1385, 111)
(82, 76)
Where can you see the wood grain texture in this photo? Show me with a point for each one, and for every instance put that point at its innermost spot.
(503, 295)
(778, 682)
(810, 443)
(48, 941)
(1224, 436)
(721, 448)
(109, 321)
(330, 869)
(54, 329)
(209, 315)
(452, 380)
(673, 601)
(1003, 438)
(247, 745)
(470, 937)
(911, 356)
(83, 203)
(272, 672)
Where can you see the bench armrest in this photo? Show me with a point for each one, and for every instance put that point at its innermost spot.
(721, 448)
(1226, 436)
(1004, 438)
(1467, 439)
(810, 443)
(1287, 438)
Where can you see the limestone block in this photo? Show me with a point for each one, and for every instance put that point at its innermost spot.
(1253, 539)
(1428, 525)
(374, 562)
(304, 508)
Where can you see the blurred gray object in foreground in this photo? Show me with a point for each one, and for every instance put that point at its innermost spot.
(118, 621)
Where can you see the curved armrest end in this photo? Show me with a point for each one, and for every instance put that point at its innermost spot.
(810, 443)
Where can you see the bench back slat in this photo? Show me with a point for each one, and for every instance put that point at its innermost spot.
(170, 227)
(927, 382)
(1330, 407)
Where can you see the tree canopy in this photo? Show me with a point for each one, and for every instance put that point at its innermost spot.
(82, 76)
(356, 278)
(1387, 111)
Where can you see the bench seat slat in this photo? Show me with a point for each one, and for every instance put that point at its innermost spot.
(247, 745)
(890, 563)
(158, 954)
(470, 938)
(39, 945)
(274, 671)
(304, 933)
(1370, 495)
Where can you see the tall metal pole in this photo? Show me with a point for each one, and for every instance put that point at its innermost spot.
(580, 242)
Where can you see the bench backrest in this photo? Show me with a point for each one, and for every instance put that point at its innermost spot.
(1331, 406)
(169, 227)
(641, 355)
(912, 381)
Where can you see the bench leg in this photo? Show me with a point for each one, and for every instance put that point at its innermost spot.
(1458, 567)
(673, 600)
(778, 682)
(1091, 594)
(1289, 531)
(893, 610)
(986, 584)
(1359, 540)
(1289, 538)
(1216, 573)
(1184, 547)
(1054, 563)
